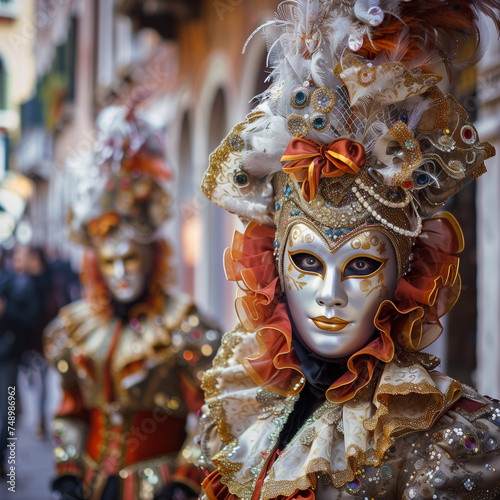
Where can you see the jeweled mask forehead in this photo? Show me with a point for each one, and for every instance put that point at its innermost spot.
(336, 214)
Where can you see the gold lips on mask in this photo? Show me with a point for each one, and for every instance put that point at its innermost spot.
(330, 325)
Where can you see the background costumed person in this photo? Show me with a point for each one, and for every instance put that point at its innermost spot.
(344, 269)
(130, 354)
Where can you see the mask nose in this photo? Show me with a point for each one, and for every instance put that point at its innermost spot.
(332, 293)
(118, 269)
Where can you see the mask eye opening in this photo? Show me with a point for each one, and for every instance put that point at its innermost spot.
(307, 263)
(371, 267)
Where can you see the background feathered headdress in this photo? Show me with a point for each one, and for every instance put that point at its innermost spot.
(123, 182)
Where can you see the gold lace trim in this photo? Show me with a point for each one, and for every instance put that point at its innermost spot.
(434, 405)
(209, 382)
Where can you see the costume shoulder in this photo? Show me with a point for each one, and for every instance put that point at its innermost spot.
(195, 338)
(459, 457)
(71, 325)
(180, 308)
(241, 420)
(227, 379)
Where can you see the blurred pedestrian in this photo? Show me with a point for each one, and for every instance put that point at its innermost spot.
(19, 311)
(33, 359)
(65, 281)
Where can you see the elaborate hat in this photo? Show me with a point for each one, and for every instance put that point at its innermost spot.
(123, 182)
(354, 130)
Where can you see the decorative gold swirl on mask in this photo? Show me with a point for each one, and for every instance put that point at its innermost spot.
(366, 241)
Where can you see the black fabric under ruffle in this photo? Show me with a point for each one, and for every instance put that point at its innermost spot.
(320, 373)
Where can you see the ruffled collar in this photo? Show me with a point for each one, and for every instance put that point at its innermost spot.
(359, 433)
(336, 440)
(410, 321)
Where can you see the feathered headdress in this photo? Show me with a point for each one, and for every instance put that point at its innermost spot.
(123, 182)
(355, 121)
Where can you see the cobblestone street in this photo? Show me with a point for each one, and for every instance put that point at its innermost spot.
(34, 463)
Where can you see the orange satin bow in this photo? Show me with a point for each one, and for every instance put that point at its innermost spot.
(308, 161)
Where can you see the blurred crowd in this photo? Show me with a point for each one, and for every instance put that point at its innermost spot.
(34, 284)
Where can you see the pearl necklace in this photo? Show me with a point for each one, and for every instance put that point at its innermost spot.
(381, 199)
(382, 220)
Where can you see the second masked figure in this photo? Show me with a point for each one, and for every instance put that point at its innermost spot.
(130, 354)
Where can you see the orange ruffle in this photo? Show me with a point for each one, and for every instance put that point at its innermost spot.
(409, 321)
(277, 366)
(215, 489)
(250, 262)
(429, 290)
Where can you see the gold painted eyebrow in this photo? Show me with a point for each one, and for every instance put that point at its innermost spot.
(363, 276)
(130, 254)
(291, 254)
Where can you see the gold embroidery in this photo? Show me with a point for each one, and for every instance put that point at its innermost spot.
(366, 241)
(289, 278)
(413, 154)
(219, 159)
(209, 382)
(381, 286)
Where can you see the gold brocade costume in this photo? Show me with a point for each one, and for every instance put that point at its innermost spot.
(442, 437)
(128, 390)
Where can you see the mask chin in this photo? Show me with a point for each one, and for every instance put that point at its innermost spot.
(129, 292)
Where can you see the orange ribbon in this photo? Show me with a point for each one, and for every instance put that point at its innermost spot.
(102, 225)
(308, 161)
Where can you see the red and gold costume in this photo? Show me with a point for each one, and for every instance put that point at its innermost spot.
(128, 390)
(353, 147)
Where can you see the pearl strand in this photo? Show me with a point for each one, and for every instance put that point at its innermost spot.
(381, 199)
(385, 222)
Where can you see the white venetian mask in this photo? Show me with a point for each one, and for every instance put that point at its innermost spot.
(124, 265)
(333, 297)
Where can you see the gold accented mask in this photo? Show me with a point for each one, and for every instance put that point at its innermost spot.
(333, 296)
(337, 215)
(125, 266)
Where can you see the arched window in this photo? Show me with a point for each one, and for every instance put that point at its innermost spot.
(218, 124)
(261, 82)
(215, 235)
(3, 85)
(189, 218)
(185, 160)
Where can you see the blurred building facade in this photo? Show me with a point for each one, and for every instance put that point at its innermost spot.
(17, 34)
(488, 223)
(185, 57)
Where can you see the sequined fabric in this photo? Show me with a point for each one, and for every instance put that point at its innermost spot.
(438, 438)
